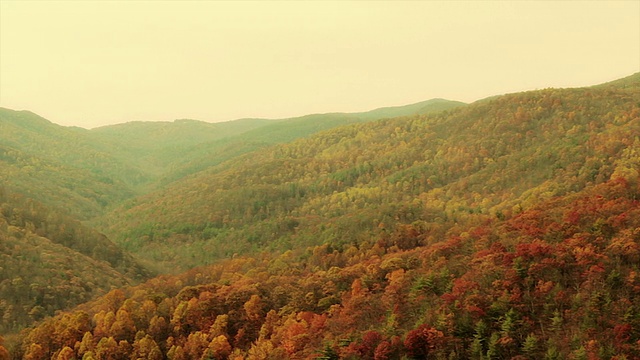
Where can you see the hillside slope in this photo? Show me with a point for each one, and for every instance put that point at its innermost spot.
(559, 280)
(344, 186)
(172, 151)
(50, 262)
(503, 229)
(84, 172)
(52, 177)
(59, 166)
(155, 147)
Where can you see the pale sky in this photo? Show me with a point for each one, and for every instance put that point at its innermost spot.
(100, 62)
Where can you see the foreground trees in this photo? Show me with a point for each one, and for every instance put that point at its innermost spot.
(560, 280)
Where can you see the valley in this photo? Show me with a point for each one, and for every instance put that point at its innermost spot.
(503, 228)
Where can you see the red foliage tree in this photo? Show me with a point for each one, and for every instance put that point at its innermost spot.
(422, 341)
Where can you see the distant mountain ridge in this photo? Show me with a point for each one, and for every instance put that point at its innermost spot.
(129, 158)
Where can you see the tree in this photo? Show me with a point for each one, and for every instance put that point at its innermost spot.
(123, 327)
(219, 347)
(66, 353)
(196, 345)
(422, 341)
(35, 352)
(146, 348)
(86, 344)
(158, 328)
(4, 354)
(107, 349)
(176, 353)
(254, 308)
(383, 351)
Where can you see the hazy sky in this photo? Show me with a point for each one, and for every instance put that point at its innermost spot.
(98, 62)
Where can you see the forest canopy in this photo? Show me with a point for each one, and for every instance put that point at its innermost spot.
(505, 228)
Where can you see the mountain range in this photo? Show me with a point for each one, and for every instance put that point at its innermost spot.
(504, 228)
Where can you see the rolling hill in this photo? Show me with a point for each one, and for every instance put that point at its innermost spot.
(84, 172)
(171, 151)
(53, 177)
(346, 185)
(59, 166)
(505, 228)
(52, 262)
(558, 280)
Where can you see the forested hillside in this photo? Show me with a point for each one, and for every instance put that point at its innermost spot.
(52, 177)
(171, 151)
(52, 262)
(353, 183)
(85, 172)
(59, 166)
(503, 229)
(556, 281)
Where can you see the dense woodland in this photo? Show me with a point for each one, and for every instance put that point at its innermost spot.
(506, 228)
(351, 184)
(52, 262)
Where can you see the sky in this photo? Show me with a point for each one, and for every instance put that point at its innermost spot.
(94, 63)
